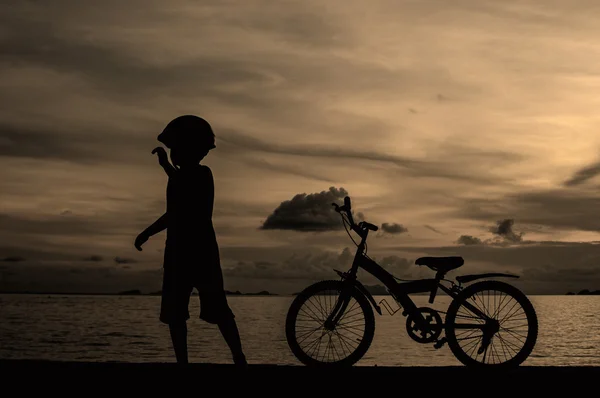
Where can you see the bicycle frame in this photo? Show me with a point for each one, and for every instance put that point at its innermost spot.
(399, 291)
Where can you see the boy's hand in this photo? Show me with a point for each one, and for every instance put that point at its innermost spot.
(163, 160)
(140, 240)
(162, 154)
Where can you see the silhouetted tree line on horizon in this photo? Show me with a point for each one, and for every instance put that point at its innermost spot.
(585, 292)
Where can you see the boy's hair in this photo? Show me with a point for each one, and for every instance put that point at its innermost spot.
(187, 130)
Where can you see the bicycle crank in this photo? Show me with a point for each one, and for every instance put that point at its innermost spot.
(440, 343)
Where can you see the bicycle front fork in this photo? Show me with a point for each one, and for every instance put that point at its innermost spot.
(339, 309)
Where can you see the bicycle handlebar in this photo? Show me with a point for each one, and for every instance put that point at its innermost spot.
(347, 208)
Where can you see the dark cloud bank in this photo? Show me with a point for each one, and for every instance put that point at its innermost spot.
(544, 268)
(314, 213)
(502, 233)
(393, 228)
(308, 212)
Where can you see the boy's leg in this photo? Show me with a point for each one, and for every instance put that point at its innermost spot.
(229, 330)
(174, 311)
(215, 309)
(178, 332)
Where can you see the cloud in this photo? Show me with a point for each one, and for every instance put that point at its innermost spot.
(308, 212)
(303, 265)
(393, 228)
(433, 229)
(53, 226)
(30, 142)
(16, 251)
(13, 259)
(412, 166)
(544, 267)
(94, 258)
(286, 168)
(552, 208)
(583, 175)
(469, 240)
(109, 67)
(121, 260)
(504, 230)
(312, 264)
(73, 277)
(396, 265)
(585, 277)
(245, 141)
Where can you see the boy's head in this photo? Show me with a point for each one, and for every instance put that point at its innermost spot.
(189, 137)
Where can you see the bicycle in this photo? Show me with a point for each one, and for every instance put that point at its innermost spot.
(479, 329)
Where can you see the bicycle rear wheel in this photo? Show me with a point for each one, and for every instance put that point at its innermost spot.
(315, 345)
(511, 326)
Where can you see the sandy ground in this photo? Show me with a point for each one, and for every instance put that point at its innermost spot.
(150, 379)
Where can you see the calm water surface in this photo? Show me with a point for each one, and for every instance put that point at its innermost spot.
(126, 329)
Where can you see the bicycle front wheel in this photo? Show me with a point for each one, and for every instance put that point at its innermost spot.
(315, 345)
(491, 324)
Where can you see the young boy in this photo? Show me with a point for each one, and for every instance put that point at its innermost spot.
(191, 257)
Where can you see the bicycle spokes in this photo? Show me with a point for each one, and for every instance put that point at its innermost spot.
(329, 327)
(500, 335)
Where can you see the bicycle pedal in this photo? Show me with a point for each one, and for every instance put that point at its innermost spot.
(438, 344)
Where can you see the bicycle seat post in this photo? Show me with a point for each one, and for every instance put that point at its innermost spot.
(439, 275)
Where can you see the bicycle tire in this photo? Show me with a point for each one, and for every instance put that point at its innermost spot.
(509, 290)
(292, 317)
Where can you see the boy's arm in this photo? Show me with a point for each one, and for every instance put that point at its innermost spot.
(164, 161)
(156, 227)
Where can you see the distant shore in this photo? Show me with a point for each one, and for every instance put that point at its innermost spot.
(130, 293)
(585, 292)
(375, 290)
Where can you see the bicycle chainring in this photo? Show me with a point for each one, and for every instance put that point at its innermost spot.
(433, 326)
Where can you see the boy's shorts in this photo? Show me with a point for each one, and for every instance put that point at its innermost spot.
(176, 292)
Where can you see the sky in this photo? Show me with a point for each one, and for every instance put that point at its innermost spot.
(467, 128)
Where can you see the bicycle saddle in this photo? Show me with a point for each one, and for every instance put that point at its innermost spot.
(444, 264)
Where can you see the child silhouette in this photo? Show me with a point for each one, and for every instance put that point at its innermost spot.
(191, 257)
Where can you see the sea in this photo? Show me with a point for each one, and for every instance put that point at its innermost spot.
(126, 329)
